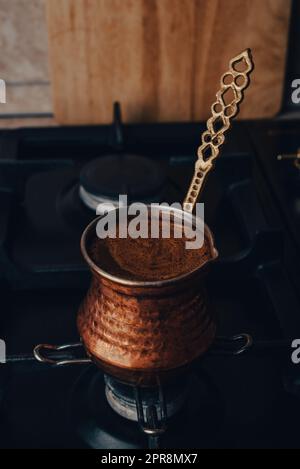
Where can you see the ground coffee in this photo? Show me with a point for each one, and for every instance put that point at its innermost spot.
(147, 259)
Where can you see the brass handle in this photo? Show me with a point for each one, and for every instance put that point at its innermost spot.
(233, 83)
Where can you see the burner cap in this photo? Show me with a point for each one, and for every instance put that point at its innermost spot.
(137, 176)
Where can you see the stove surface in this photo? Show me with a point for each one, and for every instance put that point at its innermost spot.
(250, 400)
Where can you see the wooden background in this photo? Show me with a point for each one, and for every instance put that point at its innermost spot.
(162, 59)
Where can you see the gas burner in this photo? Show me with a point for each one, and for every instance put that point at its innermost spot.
(103, 179)
(123, 399)
(102, 412)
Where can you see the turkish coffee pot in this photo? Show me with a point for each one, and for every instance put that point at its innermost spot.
(139, 331)
(142, 331)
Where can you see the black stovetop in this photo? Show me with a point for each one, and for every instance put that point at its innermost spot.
(254, 286)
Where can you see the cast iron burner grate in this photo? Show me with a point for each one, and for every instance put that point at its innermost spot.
(99, 426)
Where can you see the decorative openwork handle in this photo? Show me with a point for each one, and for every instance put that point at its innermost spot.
(231, 93)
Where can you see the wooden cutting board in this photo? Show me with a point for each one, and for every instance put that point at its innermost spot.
(162, 59)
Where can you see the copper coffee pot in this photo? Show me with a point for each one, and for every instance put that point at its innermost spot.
(136, 330)
(143, 331)
(139, 331)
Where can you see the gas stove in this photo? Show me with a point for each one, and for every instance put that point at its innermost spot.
(50, 181)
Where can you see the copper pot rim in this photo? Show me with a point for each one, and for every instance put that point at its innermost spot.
(142, 283)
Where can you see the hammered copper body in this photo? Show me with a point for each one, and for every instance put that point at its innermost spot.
(138, 331)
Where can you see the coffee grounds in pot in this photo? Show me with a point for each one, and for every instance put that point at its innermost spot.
(150, 259)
